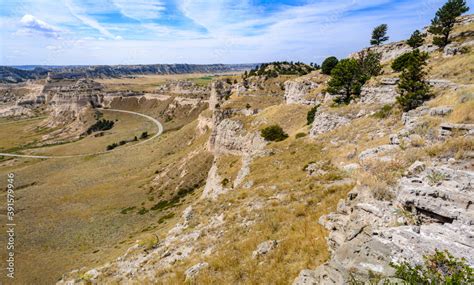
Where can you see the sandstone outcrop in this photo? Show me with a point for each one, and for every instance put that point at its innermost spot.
(431, 210)
(393, 50)
(325, 122)
(297, 91)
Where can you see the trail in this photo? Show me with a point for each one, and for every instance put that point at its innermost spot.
(155, 121)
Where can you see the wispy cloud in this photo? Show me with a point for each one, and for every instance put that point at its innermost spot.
(80, 14)
(141, 10)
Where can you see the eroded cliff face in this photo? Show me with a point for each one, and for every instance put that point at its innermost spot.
(19, 100)
(228, 136)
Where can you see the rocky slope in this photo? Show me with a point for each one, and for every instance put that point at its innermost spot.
(405, 179)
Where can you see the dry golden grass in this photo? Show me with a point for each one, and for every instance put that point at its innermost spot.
(254, 102)
(71, 209)
(463, 113)
(290, 117)
(459, 68)
(149, 83)
(456, 147)
(291, 219)
(228, 166)
(20, 133)
(126, 127)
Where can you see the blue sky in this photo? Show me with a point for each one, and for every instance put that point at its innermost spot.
(60, 32)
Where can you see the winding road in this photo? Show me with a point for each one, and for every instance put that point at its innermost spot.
(155, 121)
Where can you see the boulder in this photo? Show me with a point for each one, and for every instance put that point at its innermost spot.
(377, 151)
(297, 90)
(441, 111)
(192, 271)
(325, 122)
(384, 94)
(264, 248)
(446, 129)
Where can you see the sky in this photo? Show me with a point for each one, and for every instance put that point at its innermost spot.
(87, 32)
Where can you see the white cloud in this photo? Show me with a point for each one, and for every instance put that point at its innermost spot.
(30, 24)
(140, 10)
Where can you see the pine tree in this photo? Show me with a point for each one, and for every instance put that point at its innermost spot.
(416, 40)
(346, 80)
(413, 88)
(444, 20)
(369, 62)
(379, 35)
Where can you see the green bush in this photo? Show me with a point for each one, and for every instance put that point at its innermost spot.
(311, 114)
(100, 125)
(401, 62)
(328, 65)
(416, 39)
(413, 88)
(384, 112)
(112, 146)
(144, 135)
(438, 268)
(369, 62)
(300, 135)
(273, 133)
(274, 69)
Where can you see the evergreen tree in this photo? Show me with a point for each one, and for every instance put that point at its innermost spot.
(444, 20)
(416, 39)
(346, 80)
(413, 88)
(369, 62)
(328, 64)
(379, 35)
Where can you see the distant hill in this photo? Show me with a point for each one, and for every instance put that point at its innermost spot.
(10, 74)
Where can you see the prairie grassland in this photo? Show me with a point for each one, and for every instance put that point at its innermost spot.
(126, 127)
(148, 83)
(254, 102)
(83, 211)
(19, 133)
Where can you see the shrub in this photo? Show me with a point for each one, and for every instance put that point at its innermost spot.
(112, 146)
(416, 39)
(273, 133)
(144, 135)
(300, 135)
(413, 88)
(274, 69)
(438, 268)
(401, 62)
(384, 112)
(311, 114)
(346, 80)
(100, 125)
(444, 20)
(328, 65)
(379, 35)
(369, 62)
